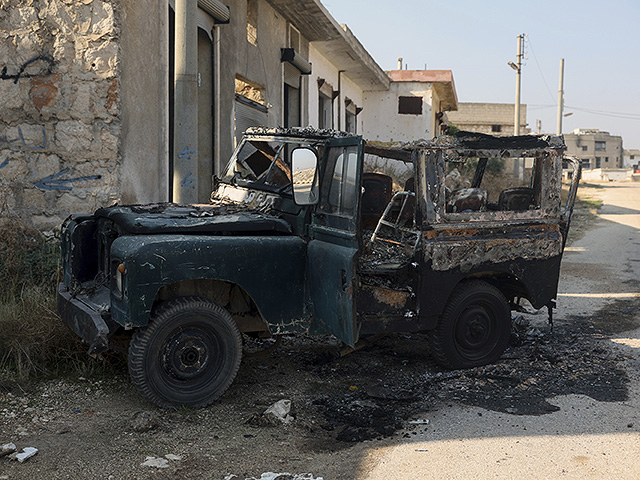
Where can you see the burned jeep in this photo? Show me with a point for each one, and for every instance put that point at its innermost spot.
(281, 249)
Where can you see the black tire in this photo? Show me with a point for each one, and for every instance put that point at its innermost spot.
(474, 328)
(188, 355)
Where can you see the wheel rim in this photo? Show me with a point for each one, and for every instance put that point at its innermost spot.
(191, 358)
(475, 331)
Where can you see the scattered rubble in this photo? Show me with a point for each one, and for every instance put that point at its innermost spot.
(144, 421)
(277, 476)
(7, 448)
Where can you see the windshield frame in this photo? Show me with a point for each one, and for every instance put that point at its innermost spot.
(231, 173)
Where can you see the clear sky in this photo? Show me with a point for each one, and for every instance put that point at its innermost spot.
(599, 40)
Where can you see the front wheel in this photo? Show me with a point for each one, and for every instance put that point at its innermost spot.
(474, 328)
(188, 355)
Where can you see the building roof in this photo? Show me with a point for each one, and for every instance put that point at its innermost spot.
(333, 41)
(442, 81)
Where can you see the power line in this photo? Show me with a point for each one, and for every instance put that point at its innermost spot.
(628, 116)
(540, 70)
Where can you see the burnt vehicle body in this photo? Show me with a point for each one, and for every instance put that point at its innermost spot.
(281, 249)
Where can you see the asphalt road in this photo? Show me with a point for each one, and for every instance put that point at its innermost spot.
(585, 438)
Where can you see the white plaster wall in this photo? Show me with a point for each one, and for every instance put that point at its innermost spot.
(382, 122)
(321, 68)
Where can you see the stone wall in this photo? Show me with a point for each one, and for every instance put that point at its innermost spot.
(59, 108)
(483, 117)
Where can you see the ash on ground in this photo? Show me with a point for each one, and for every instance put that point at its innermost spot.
(394, 379)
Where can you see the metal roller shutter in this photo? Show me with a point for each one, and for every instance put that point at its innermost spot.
(247, 114)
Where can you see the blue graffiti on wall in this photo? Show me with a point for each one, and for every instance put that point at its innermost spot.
(186, 153)
(188, 181)
(24, 142)
(52, 182)
(5, 163)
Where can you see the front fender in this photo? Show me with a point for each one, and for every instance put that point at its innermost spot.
(269, 269)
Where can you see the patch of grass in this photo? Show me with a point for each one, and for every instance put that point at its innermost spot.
(34, 342)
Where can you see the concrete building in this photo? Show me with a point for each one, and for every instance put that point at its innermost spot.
(595, 148)
(87, 95)
(631, 159)
(489, 118)
(342, 71)
(412, 108)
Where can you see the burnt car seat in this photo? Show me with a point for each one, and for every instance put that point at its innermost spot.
(516, 199)
(467, 200)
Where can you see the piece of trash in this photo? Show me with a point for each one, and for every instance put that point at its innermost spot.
(171, 456)
(421, 450)
(279, 413)
(25, 454)
(419, 421)
(7, 448)
(156, 462)
(353, 388)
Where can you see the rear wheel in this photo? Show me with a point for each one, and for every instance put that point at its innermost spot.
(474, 328)
(188, 355)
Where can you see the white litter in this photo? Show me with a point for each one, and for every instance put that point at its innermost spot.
(279, 412)
(419, 421)
(25, 454)
(155, 462)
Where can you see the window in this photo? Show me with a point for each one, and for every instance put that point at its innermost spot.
(325, 111)
(606, 159)
(410, 105)
(632, 157)
(586, 163)
(252, 22)
(350, 115)
(342, 191)
(584, 148)
(351, 126)
(291, 106)
(326, 94)
(600, 146)
(496, 128)
(597, 162)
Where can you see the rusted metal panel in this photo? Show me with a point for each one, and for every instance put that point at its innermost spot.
(377, 299)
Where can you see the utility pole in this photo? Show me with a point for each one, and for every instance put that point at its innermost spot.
(560, 98)
(518, 69)
(516, 117)
(539, 125)
(185, 149)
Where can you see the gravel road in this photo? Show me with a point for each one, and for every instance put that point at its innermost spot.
(561, 404)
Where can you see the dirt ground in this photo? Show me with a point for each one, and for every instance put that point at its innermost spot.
(387, 410)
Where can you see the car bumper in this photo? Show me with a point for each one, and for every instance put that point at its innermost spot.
(88, 317)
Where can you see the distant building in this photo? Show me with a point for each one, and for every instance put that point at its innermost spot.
(412, 107)
(595, 148)
(631, 158)
(490, 118)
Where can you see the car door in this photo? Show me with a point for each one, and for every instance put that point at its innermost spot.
(334, 242)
